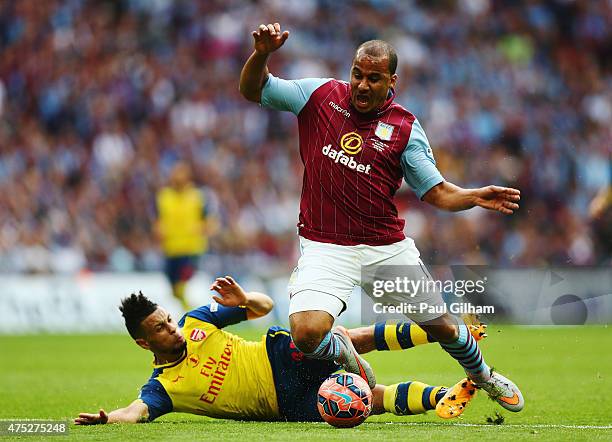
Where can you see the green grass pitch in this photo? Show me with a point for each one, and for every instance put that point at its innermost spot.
(565, 374)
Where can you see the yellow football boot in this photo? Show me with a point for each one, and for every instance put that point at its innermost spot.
(477, 328)
(456, 399)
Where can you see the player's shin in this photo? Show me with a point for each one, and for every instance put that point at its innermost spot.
(329, 349)
(399, 336)
(405, 335)
(337, 346)
(465, 350)
(409, 398)
(349, 359)
(499, 388)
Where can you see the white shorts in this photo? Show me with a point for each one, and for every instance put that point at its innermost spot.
(327, 273)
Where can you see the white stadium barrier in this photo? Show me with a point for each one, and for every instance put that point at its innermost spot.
(88, 302)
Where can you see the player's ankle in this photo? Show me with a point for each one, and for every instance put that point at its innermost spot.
(481, 376)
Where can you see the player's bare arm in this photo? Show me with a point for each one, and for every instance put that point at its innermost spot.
(231, 294)
(134, 413)
(267, 39)
(448, 196)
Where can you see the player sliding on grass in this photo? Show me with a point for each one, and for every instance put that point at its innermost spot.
(201, 369)
(357, 144)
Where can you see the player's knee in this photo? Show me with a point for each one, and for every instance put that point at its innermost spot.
(445, 332)
(448, 333)
(307, 336)
(443, 329)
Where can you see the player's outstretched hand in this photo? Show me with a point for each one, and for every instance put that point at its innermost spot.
(501, 199)
(92, 418)
(232, 295)
(268, 38)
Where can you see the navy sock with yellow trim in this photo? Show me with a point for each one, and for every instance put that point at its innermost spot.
(411, 398)
(400, 336)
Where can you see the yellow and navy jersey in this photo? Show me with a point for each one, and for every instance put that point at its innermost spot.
(181, 216)
(221, 375)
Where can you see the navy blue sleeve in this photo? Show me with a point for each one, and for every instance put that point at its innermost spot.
(217, 315)
(154, 395)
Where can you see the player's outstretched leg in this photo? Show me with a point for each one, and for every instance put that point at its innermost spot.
(392, 336)
(311, 332)
(410, 398)
(457, 341)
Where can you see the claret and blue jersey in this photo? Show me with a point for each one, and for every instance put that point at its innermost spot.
(353, 163)
(224, 376)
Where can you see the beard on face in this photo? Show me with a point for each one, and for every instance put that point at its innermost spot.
(180, 348)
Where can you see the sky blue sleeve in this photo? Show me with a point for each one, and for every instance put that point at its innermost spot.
(418, 163)
(217, 314)
(154, 395)
(289, 95)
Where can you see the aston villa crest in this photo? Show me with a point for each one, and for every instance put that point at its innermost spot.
(384, 131)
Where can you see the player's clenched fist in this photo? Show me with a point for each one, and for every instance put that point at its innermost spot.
(268, 38)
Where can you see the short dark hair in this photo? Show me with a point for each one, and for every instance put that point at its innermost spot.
(135, 308)
(380, 48)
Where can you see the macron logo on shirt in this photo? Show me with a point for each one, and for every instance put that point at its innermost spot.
(344, 112)
(340, 157)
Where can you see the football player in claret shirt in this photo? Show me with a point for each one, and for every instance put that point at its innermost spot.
(201, 369)
(357, 144)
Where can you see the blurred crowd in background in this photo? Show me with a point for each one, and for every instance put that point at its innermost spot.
(98, 99)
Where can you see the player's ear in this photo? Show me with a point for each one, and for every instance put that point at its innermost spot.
(393, 80)
(142, 343)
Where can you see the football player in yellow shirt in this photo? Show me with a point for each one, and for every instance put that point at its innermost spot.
(182, 227)
(201, 369)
